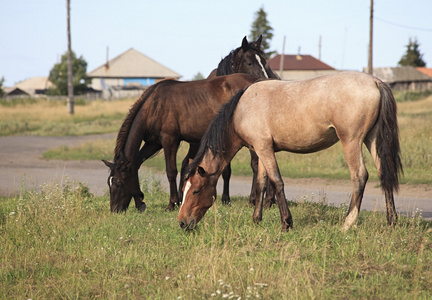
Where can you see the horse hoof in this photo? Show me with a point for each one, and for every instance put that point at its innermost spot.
(142, 207)
(170, 207)
(226, 200)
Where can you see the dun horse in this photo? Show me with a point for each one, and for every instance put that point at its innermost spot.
(302, 117)
(158, 118)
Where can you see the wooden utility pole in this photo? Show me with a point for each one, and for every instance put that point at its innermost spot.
(70, 101)
(281, 65)
(370, 65)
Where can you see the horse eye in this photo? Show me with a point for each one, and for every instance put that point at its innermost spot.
(196, 192)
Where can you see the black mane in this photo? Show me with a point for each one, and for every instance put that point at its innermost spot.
(123, 133)
(225, 66)
(217, 135)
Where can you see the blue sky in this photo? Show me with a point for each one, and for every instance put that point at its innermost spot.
(191, 36)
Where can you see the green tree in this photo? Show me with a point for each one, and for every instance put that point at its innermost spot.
(58, 76)
(412, 56)
(198, 76)
(2, 93)
(261, 26)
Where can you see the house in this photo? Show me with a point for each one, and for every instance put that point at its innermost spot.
(128, 74)
(299, 67)
(34, 86)
(404, 78)
(15, 92)
(424, 70)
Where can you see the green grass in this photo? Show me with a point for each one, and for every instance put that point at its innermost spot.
(61, 242)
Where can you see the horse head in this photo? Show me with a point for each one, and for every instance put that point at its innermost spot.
(123, 184)
(199, 194)
(250, 59)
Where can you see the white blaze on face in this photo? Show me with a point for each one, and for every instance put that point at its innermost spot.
(261, 65)
(110, 181)
(187, 187)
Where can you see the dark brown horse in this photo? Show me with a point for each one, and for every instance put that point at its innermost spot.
(301, 117)
(160, 105)
(248, 59)
(162, 119)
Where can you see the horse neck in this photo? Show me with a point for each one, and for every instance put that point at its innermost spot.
(216, 163)
(133, 143)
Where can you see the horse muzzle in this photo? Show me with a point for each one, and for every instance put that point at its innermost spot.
(187, 225)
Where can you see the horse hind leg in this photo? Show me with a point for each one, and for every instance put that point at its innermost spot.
(359, 177)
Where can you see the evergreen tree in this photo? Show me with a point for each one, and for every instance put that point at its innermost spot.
(58, 76)
(2, 93)
(412, 57)
(198, 76)
(261, 26)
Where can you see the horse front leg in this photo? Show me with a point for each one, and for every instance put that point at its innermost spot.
(260, 186)
(268, 160)
(254, 166)
(170, 150)
(148, 150)
(226, 175)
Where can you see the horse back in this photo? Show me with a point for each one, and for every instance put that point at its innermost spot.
(311, 115)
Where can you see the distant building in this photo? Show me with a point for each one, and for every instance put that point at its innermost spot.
(404, 78)
(424, 70)
(31, 87)
(299, 67)
(128, 74)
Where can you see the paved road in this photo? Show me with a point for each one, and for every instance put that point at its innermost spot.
(21, 164)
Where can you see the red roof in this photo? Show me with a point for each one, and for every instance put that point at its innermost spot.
(427, 71)
(298, 62)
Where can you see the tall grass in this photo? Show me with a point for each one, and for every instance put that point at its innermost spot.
(62, 242)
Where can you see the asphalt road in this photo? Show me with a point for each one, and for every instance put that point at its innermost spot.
(22, 166)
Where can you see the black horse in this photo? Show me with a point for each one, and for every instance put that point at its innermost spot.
(158, 118)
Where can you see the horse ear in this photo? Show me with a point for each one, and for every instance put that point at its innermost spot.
(245, 44)
(258, 42)
(201, 171)
(108, 164)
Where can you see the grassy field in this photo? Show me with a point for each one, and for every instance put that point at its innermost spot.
(415, 123)
(62, 243)
(44, 117)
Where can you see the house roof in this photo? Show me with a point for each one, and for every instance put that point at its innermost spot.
(298, 62)
(35, 83)
(400, 74)
(427, 71)
(132, 64)
(15, 91)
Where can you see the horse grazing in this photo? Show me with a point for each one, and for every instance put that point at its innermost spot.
(301, 117)
(167, 113)
(174, 97)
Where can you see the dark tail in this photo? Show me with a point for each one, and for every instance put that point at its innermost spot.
(388, 148)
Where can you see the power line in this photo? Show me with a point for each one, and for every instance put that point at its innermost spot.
(403, 26)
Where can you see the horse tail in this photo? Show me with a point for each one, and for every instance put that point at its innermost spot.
(388, 148)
